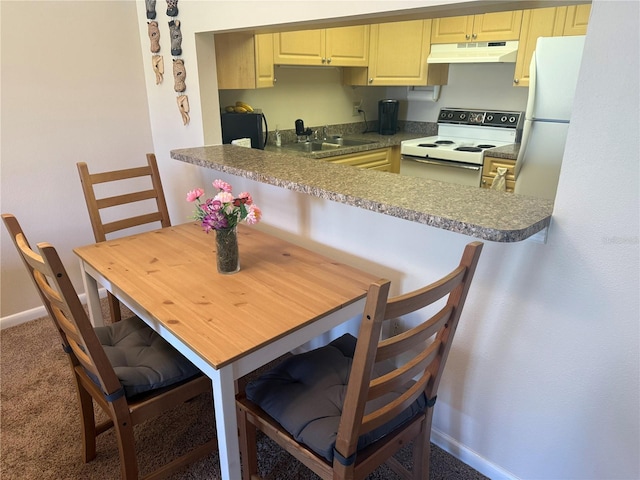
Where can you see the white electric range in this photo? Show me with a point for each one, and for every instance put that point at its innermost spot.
(456, 154)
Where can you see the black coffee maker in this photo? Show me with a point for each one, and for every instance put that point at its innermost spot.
(388, 117)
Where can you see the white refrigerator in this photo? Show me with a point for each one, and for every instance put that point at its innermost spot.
(553, 77)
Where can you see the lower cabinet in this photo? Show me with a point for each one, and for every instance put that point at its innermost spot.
(383, 159)
(490, 171)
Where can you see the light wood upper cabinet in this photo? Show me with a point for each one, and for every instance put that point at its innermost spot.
(340, 47)
(348, 46)
(244, 60)
(485, 27)
(539, 22)
(546, 22)
(264, 60)
(577, 19)
(398, 56)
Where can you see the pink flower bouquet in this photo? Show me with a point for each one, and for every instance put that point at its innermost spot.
(224, 211)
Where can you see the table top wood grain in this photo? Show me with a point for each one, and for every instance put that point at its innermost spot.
(281, 287)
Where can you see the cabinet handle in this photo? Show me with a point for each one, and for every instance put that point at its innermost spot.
(324, 60)
(516, 81)
(475, 35)
(467, 36)
(371, 80)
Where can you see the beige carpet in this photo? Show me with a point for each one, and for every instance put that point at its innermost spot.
(40, 427)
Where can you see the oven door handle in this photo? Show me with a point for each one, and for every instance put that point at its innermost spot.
(444, 163)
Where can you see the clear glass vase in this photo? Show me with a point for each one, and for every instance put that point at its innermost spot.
(227, 254)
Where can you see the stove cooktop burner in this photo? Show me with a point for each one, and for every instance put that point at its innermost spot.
(428, 145)
(485, 145)
(444, 142)
(468, 149)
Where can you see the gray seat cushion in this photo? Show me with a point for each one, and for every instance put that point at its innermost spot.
(305, 394)
(142, 359)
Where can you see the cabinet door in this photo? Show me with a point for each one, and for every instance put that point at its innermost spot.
(488, 181)
(539, 22)
(491, 164)
(498, 26)
(372, 159)
(303, 47)
(398, 55)
(490, 171)
(452, 29)
(347, 46)
(244, 61)
(486, 27)
(264, 60)
(577, 19)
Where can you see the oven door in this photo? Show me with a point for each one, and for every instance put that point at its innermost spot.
(442, 170)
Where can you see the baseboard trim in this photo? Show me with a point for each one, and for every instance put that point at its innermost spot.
(38, 312)
(468, 456)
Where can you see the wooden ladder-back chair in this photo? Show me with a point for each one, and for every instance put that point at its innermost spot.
(126, 368)
(377, 395)
(97, 204)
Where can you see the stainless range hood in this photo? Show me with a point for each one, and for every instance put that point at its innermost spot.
(474, 52)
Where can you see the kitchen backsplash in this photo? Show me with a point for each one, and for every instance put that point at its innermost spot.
(360, 128)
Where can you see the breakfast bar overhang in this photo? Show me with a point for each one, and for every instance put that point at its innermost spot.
(480, 213)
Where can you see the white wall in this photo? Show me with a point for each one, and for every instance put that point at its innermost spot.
(72, 90)
(542, 382)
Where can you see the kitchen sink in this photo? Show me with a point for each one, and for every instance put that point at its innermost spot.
(347, 142)
(333, 143)
(311, 146)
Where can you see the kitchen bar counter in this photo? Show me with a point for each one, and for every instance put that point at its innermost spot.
(480, 213)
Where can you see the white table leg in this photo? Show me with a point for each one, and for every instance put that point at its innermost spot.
(93, 298)
(224, 403)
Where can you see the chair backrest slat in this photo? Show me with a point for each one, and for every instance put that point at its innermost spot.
(116, 175)
(116, 200)
(131, 222)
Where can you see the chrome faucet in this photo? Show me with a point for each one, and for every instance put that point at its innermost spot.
(325, 135)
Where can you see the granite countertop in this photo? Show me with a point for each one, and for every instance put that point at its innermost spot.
(477, 212)
(509, 152)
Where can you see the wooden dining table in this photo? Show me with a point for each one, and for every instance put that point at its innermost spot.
(227, 325)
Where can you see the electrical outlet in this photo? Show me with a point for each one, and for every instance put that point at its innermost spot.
(356, 107)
